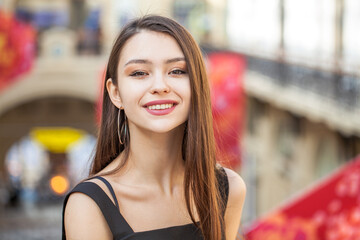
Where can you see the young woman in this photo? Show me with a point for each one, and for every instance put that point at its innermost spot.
(155, 174)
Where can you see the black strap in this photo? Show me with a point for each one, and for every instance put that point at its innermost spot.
(117, 224)
(110, 189)
(223, 184)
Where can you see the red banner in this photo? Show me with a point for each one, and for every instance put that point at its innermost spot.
(17, 49)
(329, 211)
(228, 98)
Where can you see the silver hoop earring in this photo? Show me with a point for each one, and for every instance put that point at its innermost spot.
(122, 130)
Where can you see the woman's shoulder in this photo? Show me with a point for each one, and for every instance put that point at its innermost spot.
(80, 206)
(83, 218)
(234, 180)
(237, 187)
(237, 192)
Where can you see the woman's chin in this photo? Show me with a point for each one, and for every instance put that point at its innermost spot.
(165, 129)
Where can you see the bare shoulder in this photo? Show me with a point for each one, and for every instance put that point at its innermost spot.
(237, 187)
(237, 192)
(84, 220)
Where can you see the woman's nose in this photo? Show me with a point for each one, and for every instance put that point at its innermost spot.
(159, 84)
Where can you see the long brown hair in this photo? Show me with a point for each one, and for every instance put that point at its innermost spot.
(200, 182)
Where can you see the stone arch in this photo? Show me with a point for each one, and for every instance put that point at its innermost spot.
(49, 111)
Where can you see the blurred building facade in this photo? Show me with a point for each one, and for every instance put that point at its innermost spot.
(303, 93)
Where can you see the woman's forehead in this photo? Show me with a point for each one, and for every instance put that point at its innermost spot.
(152, 46)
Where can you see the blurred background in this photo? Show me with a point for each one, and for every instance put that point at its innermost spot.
(285, 78)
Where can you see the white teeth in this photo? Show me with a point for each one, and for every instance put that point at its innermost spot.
(160, 106)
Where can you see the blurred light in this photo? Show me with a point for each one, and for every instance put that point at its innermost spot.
(56, 140)
(59, 184)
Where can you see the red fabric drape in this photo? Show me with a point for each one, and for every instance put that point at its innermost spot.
(17, 49)
(329, 211)
(226, 73)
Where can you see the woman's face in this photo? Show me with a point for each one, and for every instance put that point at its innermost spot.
(154, 85)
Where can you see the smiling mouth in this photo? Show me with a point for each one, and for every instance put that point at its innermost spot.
(160, 106)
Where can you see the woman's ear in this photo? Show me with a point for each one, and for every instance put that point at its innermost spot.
(114, 93)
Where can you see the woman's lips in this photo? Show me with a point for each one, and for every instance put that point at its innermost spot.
(160, 111)
(160, 107)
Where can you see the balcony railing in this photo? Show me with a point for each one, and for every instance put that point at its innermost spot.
(343, 90)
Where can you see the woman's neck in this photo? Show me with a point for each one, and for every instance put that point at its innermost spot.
(155, 159)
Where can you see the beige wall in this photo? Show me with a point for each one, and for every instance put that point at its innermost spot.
(76, 77)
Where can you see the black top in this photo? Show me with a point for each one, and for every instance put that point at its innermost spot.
(121, 229)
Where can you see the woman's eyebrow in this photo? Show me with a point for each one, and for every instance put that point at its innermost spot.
(142, 61)
(145, 61)
(177, 59)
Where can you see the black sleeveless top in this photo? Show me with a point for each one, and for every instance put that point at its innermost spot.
(121, 230)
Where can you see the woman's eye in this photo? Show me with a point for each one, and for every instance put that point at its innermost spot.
(138, 74)
(178, 72)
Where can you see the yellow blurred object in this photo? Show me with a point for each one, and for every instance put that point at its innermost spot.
(56, 140)
(59, 184)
